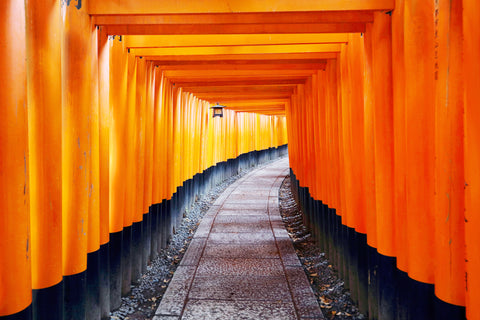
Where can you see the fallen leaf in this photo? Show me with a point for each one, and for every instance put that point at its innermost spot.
(325, 300)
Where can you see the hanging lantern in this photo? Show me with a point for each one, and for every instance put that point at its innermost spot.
(217, 110)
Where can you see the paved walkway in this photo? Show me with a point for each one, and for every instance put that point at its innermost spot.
(241, 263)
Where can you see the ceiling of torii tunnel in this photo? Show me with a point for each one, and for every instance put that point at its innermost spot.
(246, 55)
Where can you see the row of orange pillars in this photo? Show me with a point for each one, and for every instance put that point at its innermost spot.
(378, 100)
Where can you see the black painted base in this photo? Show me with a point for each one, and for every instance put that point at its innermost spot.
(104, 281)
(75, 296)
(153, 212)
(380, 289)
(137, 257)
(126, 260)
(146, 241)
(47, 303)
(93, 308)
(162, 219)
(116, 240)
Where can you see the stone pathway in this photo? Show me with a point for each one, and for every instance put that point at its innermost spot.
(241, 263)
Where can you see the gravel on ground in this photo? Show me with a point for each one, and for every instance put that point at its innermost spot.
(334, 300)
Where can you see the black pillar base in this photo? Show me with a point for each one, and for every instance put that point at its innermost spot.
(93, 308)
(75, 296)
(47, 303)
(116, 240)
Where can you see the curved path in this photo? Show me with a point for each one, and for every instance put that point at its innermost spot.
(241, 263)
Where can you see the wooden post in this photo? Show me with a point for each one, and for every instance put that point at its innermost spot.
(15, 248)
(45, 154)
(76, 65)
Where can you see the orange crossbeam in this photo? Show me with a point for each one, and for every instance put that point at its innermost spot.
(261, 49)
(259, 28)
(222, 6)
(229, 57)
(166, 41)
(237, 18)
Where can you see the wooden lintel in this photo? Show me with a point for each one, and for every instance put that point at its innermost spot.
(152, 29)
(265, 49)
(166, 41)
(237, 18)
(231, 6)
(270, 66)
(230, 57)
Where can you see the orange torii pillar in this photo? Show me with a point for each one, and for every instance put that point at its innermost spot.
(78, 62)
(449, 219)
(94, 233)
(354, 218)
(382, 84)
(129, 172)
(139, 217)
(15, 247)
(471, 48)
(117, 150)
(370, 192)
(104, 160)
(148, 156)
(45, 155)
(399, 145)
(420, 143)
(154, 209)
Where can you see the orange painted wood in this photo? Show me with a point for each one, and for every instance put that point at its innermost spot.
(168, 41)
(94, 219)
(287, 65)
(320, 137)
(15, 247)
(140, 136)
(157, 138)
(353, 132)
(237, 50)
(104, 131)
(239, 28)
(343, 97)
(336, 16)
(235, 57)
(399, 136)
(239, 63)
(419, 123)
(192, 6)
(471, 47)
(383, 128)
(449, 156)
(117, 139)
(45, 141)
(131, 148)
(332, 106)
(77, 63)
(369, 136)
(149, 136)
